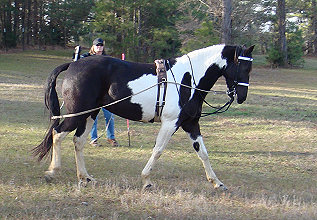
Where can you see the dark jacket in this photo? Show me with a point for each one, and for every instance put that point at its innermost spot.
(85, 55)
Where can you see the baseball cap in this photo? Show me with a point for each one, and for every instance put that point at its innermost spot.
(97, 41)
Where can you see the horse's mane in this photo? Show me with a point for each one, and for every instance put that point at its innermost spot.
(213, 53)
(206, 51)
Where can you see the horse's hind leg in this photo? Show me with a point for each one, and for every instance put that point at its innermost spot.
(55, 165)
(166, 131)
(80, 139)
(197, 142)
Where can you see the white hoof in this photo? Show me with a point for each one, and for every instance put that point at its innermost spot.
(85, 181)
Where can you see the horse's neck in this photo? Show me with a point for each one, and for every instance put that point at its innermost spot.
(198, 62)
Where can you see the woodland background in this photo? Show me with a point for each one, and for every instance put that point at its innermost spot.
(284, 30)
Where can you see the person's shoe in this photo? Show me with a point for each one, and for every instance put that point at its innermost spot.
(94, 143)
(113, 142)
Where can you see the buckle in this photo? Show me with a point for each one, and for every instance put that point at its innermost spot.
(231, 93)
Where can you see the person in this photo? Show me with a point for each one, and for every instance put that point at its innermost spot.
(98, 49)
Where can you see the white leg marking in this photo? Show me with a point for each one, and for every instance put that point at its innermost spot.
(56, 154)
(203, 155)
(164, 135)
(79, 143)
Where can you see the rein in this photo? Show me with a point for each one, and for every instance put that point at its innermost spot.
(127, 97)
(221, 109)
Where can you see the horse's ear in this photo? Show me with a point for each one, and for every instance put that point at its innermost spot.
(249, 50)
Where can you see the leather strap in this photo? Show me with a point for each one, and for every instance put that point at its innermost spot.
(162, 82)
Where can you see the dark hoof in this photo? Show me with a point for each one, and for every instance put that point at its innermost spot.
(148, 186)
(48, 178)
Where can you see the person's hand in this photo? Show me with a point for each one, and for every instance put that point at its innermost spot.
(76, 53)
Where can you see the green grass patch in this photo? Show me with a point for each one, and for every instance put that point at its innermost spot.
(310, 63)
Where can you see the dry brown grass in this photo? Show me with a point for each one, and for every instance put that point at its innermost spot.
(263, 150)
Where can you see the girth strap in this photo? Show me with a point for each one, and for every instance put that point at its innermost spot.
(162, 82)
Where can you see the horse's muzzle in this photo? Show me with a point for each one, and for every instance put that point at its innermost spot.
(242, 93)
(240, 101)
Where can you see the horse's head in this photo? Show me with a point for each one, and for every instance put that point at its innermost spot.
(237, 70)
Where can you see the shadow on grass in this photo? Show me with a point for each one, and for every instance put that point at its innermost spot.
(265, 153)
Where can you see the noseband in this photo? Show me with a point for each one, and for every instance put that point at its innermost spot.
(236, 81)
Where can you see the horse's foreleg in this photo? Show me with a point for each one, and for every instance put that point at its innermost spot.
(166, 131)
(79, 140)
(201, 151)
(56, 155)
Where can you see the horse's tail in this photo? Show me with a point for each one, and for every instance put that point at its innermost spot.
(52, 104)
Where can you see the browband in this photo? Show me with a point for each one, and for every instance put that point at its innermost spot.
(245, 58)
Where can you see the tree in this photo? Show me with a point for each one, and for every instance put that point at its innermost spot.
(37, 22)
(281, 17)
(64, 19)
(203, 36)
(314, 26)
(137, 28)
(305, 14)
(226, 22)
(148, 29)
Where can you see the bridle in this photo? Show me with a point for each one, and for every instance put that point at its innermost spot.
(232, 89)
(231, 92)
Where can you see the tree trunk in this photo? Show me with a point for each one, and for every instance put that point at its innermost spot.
(35, 22)
(40, 23)
(7, 24)
(28, 23)
(281, 15)
(138, 34)
(226, 22)
(23, 24)
(16, 18)
(314, 27)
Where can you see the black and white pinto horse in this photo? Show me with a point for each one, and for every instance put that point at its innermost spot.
(99, 80)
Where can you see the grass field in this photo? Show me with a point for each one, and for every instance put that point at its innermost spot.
(265, 151)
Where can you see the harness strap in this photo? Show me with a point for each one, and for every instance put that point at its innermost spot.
(162, 81)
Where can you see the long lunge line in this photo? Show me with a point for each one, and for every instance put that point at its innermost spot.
(125, 98)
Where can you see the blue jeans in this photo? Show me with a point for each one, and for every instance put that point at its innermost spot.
(110, 131)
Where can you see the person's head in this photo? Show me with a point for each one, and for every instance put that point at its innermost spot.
(97, 47)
